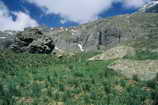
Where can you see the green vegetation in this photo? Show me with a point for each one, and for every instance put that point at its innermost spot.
(144, 55)
(28, 79)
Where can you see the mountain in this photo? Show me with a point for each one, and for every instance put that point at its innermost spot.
(151, 7)
(140, 27)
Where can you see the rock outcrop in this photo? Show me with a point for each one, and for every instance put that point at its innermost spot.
(6, 39)
(143, 70)
(115, 53)
(33, 40)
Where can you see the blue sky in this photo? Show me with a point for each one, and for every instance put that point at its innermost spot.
(56, 13)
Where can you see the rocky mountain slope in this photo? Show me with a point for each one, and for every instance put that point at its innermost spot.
(150, 7)
(102, 34)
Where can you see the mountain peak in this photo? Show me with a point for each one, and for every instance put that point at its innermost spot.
(151, 7)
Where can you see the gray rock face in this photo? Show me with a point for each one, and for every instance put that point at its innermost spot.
(106, 33)
(88, 37)
(33, 40)
(98, 35)
(42, 45)
(6, 39)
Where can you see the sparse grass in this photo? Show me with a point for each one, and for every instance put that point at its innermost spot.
(28, 79)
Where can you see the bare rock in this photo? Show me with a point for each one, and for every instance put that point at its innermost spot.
(144, 70)
(115, 53)
(33, 40)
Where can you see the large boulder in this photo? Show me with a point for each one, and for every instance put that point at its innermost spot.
(42, 45)
(33, 40)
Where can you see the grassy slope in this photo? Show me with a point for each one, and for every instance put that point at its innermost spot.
(27, 79)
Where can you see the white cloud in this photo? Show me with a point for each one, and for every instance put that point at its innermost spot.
(134, 3)
(22, 21)
(82, 11)
(63, 21)
(3, 9)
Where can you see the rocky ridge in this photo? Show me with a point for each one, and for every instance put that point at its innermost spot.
(151, 7)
